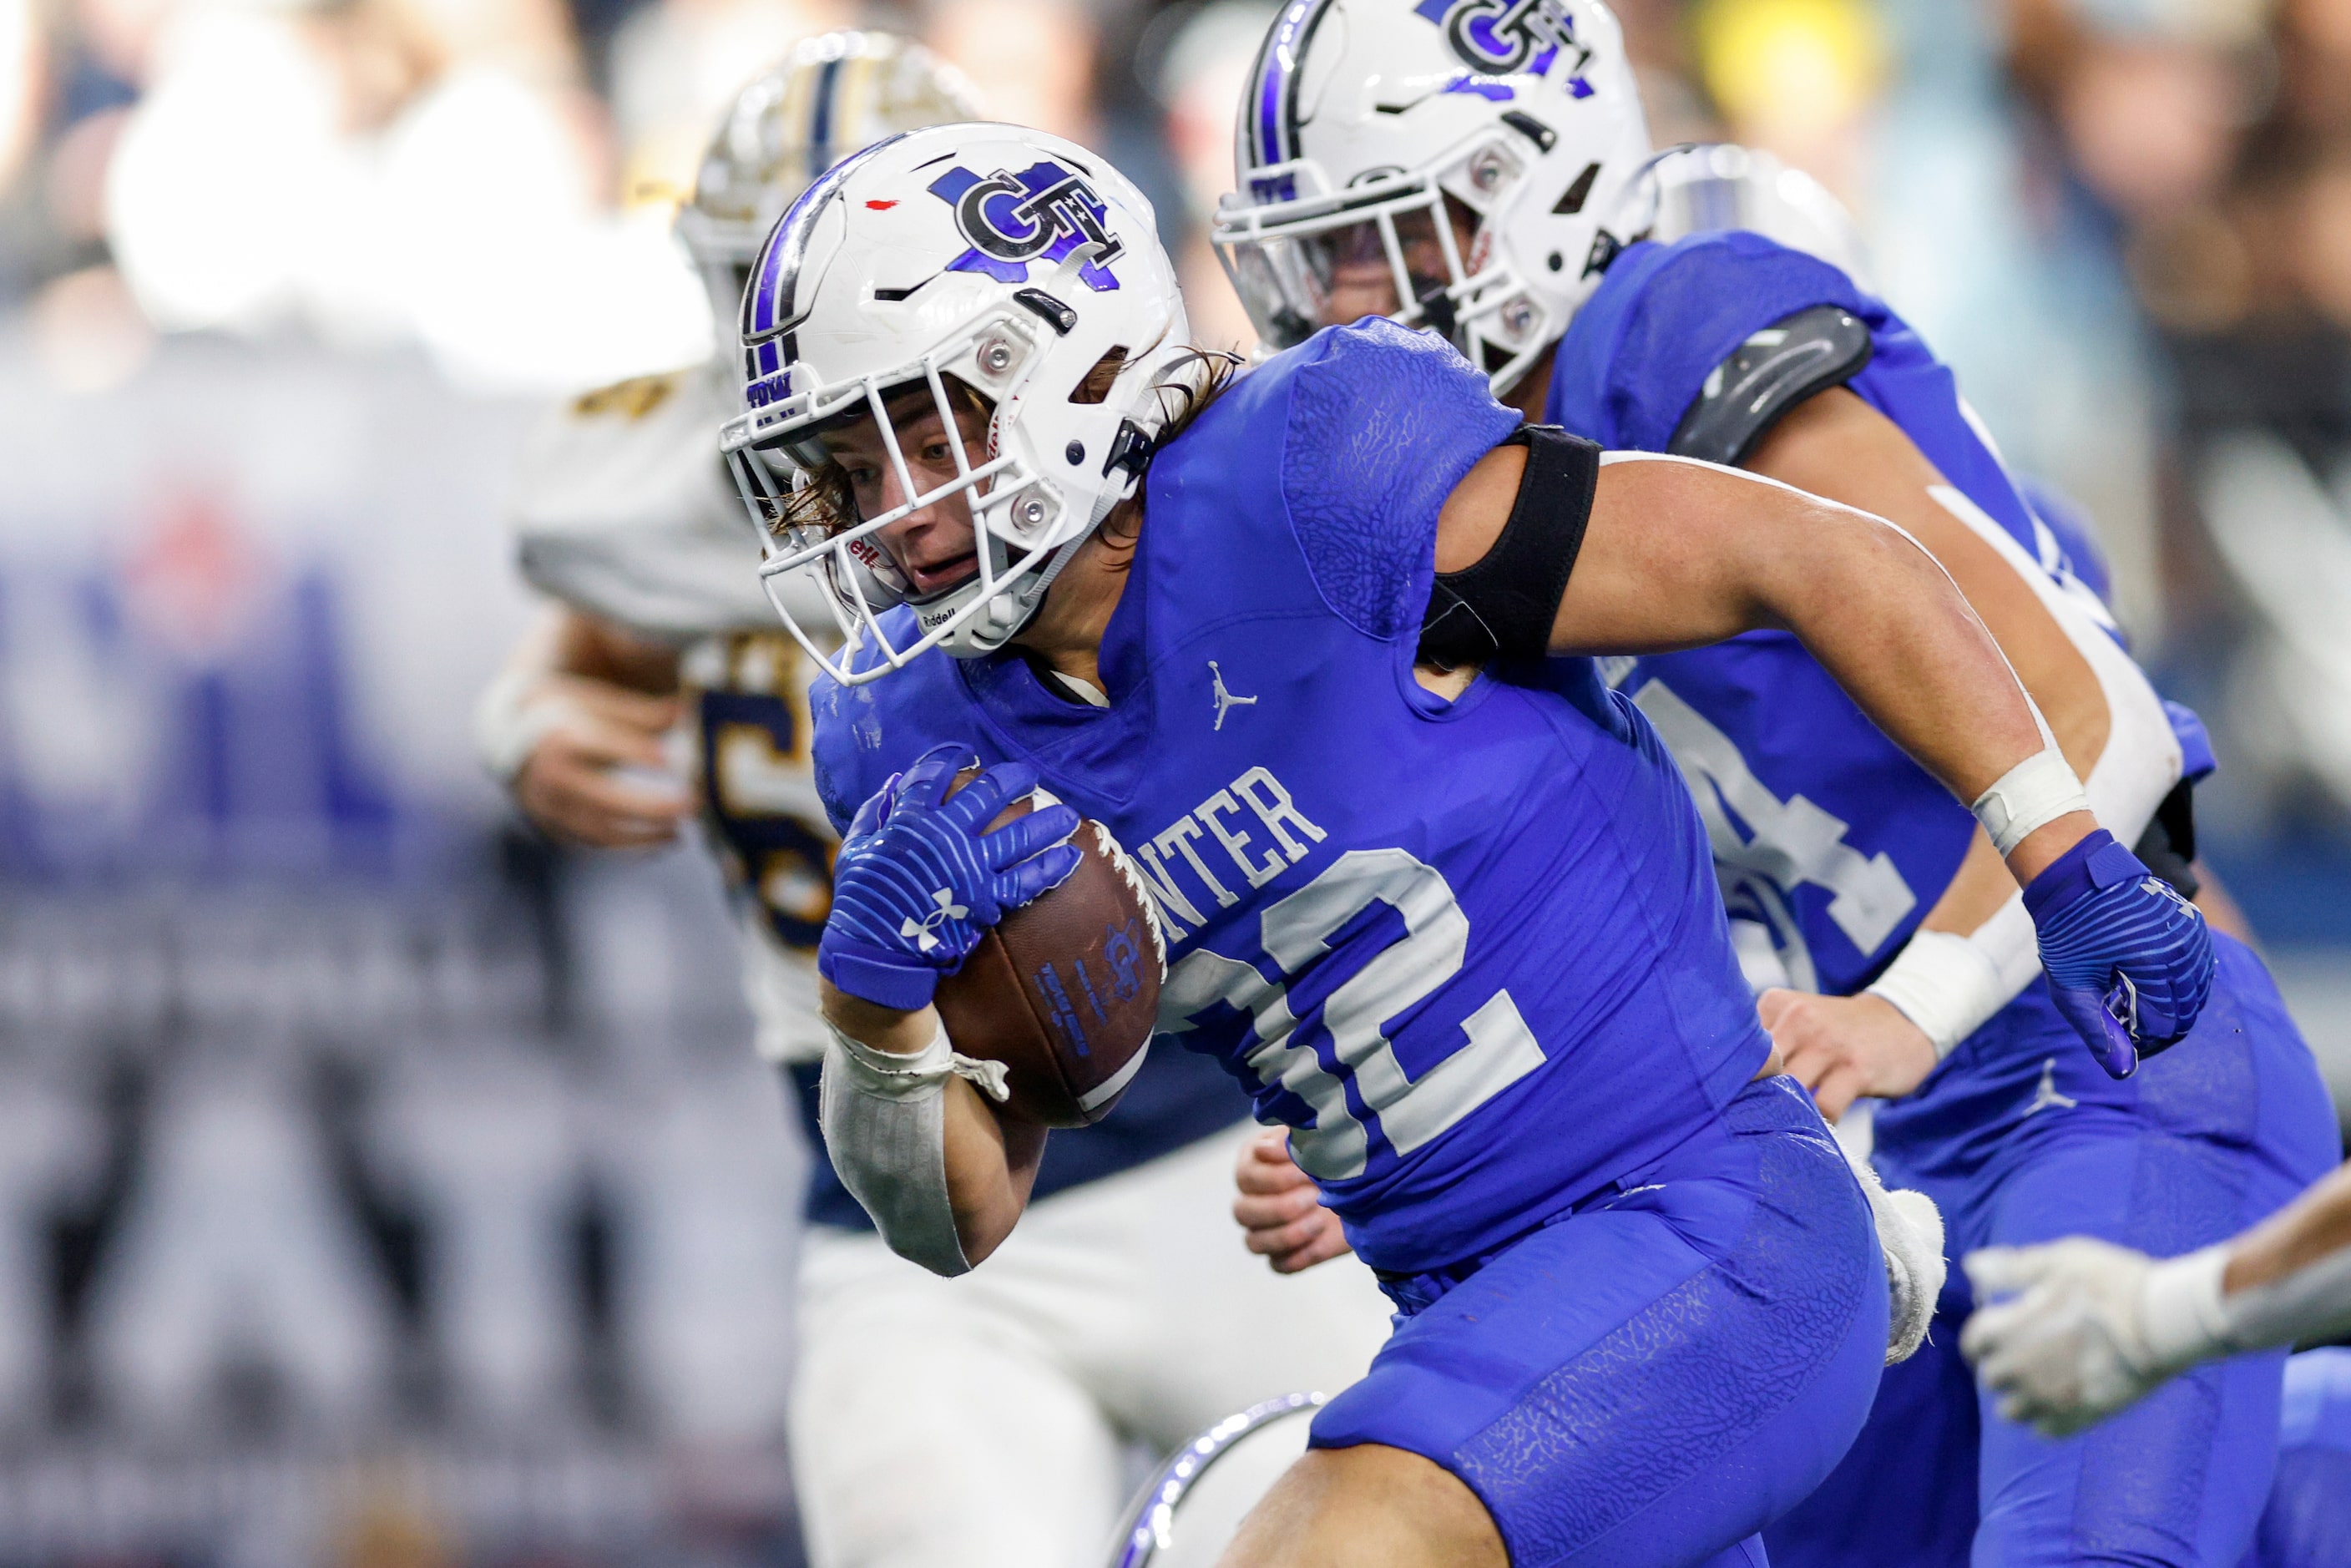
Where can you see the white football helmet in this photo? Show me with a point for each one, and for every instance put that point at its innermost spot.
(833, 94)
(1701, 188)
(1362, 117)
(1005, 260)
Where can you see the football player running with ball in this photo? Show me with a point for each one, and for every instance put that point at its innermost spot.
(1450, 162)
(993, 1434)
(1462, 937)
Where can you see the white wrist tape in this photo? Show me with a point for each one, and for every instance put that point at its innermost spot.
(1949, 985)
(2179, 1309)
(884, 1122)
(1939, 982)
(509, 724)
(2312, 1302)
(2033, 794)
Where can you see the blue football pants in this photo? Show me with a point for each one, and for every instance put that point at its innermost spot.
(2224, 1129)
(1646, 1382)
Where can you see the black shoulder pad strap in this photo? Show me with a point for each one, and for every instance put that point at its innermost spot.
(1767, 375)
(2168, 846)
(1504, 606)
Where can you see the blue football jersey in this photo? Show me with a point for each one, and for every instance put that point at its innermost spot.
(1823, 830)
(1471, 951)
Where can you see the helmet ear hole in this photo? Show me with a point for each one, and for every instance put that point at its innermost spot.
(1095, 386)
(1571, 200)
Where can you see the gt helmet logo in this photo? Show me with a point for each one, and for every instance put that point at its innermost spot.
(1503, 37)
(1042, 212)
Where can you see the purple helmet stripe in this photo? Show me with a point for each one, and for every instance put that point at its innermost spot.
(768, 305)
(1271, 112)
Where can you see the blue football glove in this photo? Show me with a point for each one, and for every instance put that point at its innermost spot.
(2129, 961)
(917, 880)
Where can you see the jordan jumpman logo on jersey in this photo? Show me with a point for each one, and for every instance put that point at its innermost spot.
(2045, 1094)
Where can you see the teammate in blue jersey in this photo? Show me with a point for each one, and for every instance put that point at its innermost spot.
(1451, 164)
(1460, 936)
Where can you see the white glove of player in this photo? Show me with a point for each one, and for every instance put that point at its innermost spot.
(2087, 1327)
(1910, 1235)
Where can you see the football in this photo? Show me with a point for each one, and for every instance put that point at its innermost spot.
(1064, 990)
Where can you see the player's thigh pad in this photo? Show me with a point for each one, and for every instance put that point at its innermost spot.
(2180, 1478)
(1654, 1379)
(937, 1427)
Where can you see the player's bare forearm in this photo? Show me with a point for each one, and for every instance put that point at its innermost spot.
(1838, 447)
(2314, 1226)
(580, 703)
(991, 1160)
(1679, 554)
(593, 648)
(1977, 891)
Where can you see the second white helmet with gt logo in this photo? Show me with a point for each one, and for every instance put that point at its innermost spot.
(1474, 146)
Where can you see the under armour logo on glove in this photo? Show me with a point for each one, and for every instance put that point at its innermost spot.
(924, 931)
(918, 880)
(2129, 961)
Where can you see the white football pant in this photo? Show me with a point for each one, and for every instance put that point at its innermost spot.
(981, 1422)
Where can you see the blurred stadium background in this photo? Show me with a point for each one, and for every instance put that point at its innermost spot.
(381, 1187)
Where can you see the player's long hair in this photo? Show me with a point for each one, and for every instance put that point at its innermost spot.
(826, 501)
(1184, 400)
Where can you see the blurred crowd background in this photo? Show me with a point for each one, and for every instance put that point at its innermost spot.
(383, 1186)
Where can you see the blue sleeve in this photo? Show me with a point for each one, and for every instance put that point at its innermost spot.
(1383, 422)
(834, 751)
(1664, 317)
(862, 735)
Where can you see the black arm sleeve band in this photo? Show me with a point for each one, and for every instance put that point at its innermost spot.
(2167, 848)
(1504, 606)
(1766, 376)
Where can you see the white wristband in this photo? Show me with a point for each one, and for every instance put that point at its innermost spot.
(891, 1075)
(2179, 1309)
(1939, 982)
(509, 724)
(884, 1122)
(2033, 794)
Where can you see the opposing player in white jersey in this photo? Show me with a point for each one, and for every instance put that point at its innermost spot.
(992, 1429)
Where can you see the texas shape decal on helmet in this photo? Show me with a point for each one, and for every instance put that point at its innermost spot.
(1504, 38)
(1041, 213)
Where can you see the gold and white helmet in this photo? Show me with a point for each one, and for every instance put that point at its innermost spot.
(833, 94)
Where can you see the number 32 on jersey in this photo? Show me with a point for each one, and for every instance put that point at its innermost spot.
(1495, 1049)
